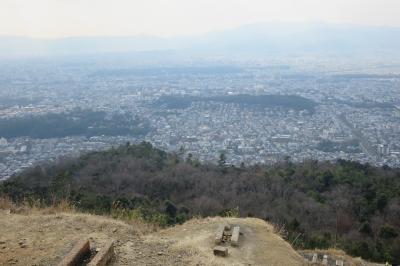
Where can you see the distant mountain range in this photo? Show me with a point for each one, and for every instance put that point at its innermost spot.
(250, 40)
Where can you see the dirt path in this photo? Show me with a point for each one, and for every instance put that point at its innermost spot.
(43, 239)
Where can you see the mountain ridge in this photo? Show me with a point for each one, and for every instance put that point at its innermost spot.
(261, 39)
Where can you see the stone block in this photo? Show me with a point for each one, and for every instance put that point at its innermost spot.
(339, 263)
(77, 253)
(325, 260)
(314, 258)
(221, 251)
(235, 236)
(219, 234)
(105, 254)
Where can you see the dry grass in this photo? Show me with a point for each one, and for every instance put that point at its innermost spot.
(6, 203)
(35, 206)
(194, 238)
(28, 207)
(141, 227)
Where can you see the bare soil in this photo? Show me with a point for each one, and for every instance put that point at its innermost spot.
(43, 239)
(258, 244)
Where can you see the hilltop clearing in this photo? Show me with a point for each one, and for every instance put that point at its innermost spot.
(43, 239)
(258, 245)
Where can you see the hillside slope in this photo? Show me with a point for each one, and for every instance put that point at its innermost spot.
(47, 237)
(341, 204)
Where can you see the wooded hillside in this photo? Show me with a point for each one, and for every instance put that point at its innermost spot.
(320, 204)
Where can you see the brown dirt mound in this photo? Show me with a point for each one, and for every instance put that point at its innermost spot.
(43, 239)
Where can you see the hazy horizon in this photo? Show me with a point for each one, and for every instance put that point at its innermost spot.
(102, 18)
(300, 24)
(254, 40)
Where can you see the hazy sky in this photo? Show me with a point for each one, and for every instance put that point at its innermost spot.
(62, 18)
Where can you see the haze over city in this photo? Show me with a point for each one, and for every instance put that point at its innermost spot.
(155, 56)
(277, 121)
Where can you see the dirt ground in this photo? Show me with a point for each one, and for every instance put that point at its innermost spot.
(258, 245)
(43, 239)
(39, 238)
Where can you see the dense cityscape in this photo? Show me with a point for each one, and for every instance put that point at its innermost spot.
(355, 113)
(190, 132)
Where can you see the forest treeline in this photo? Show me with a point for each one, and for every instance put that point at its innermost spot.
(352, 206)
(77, 122)
(284, 101)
